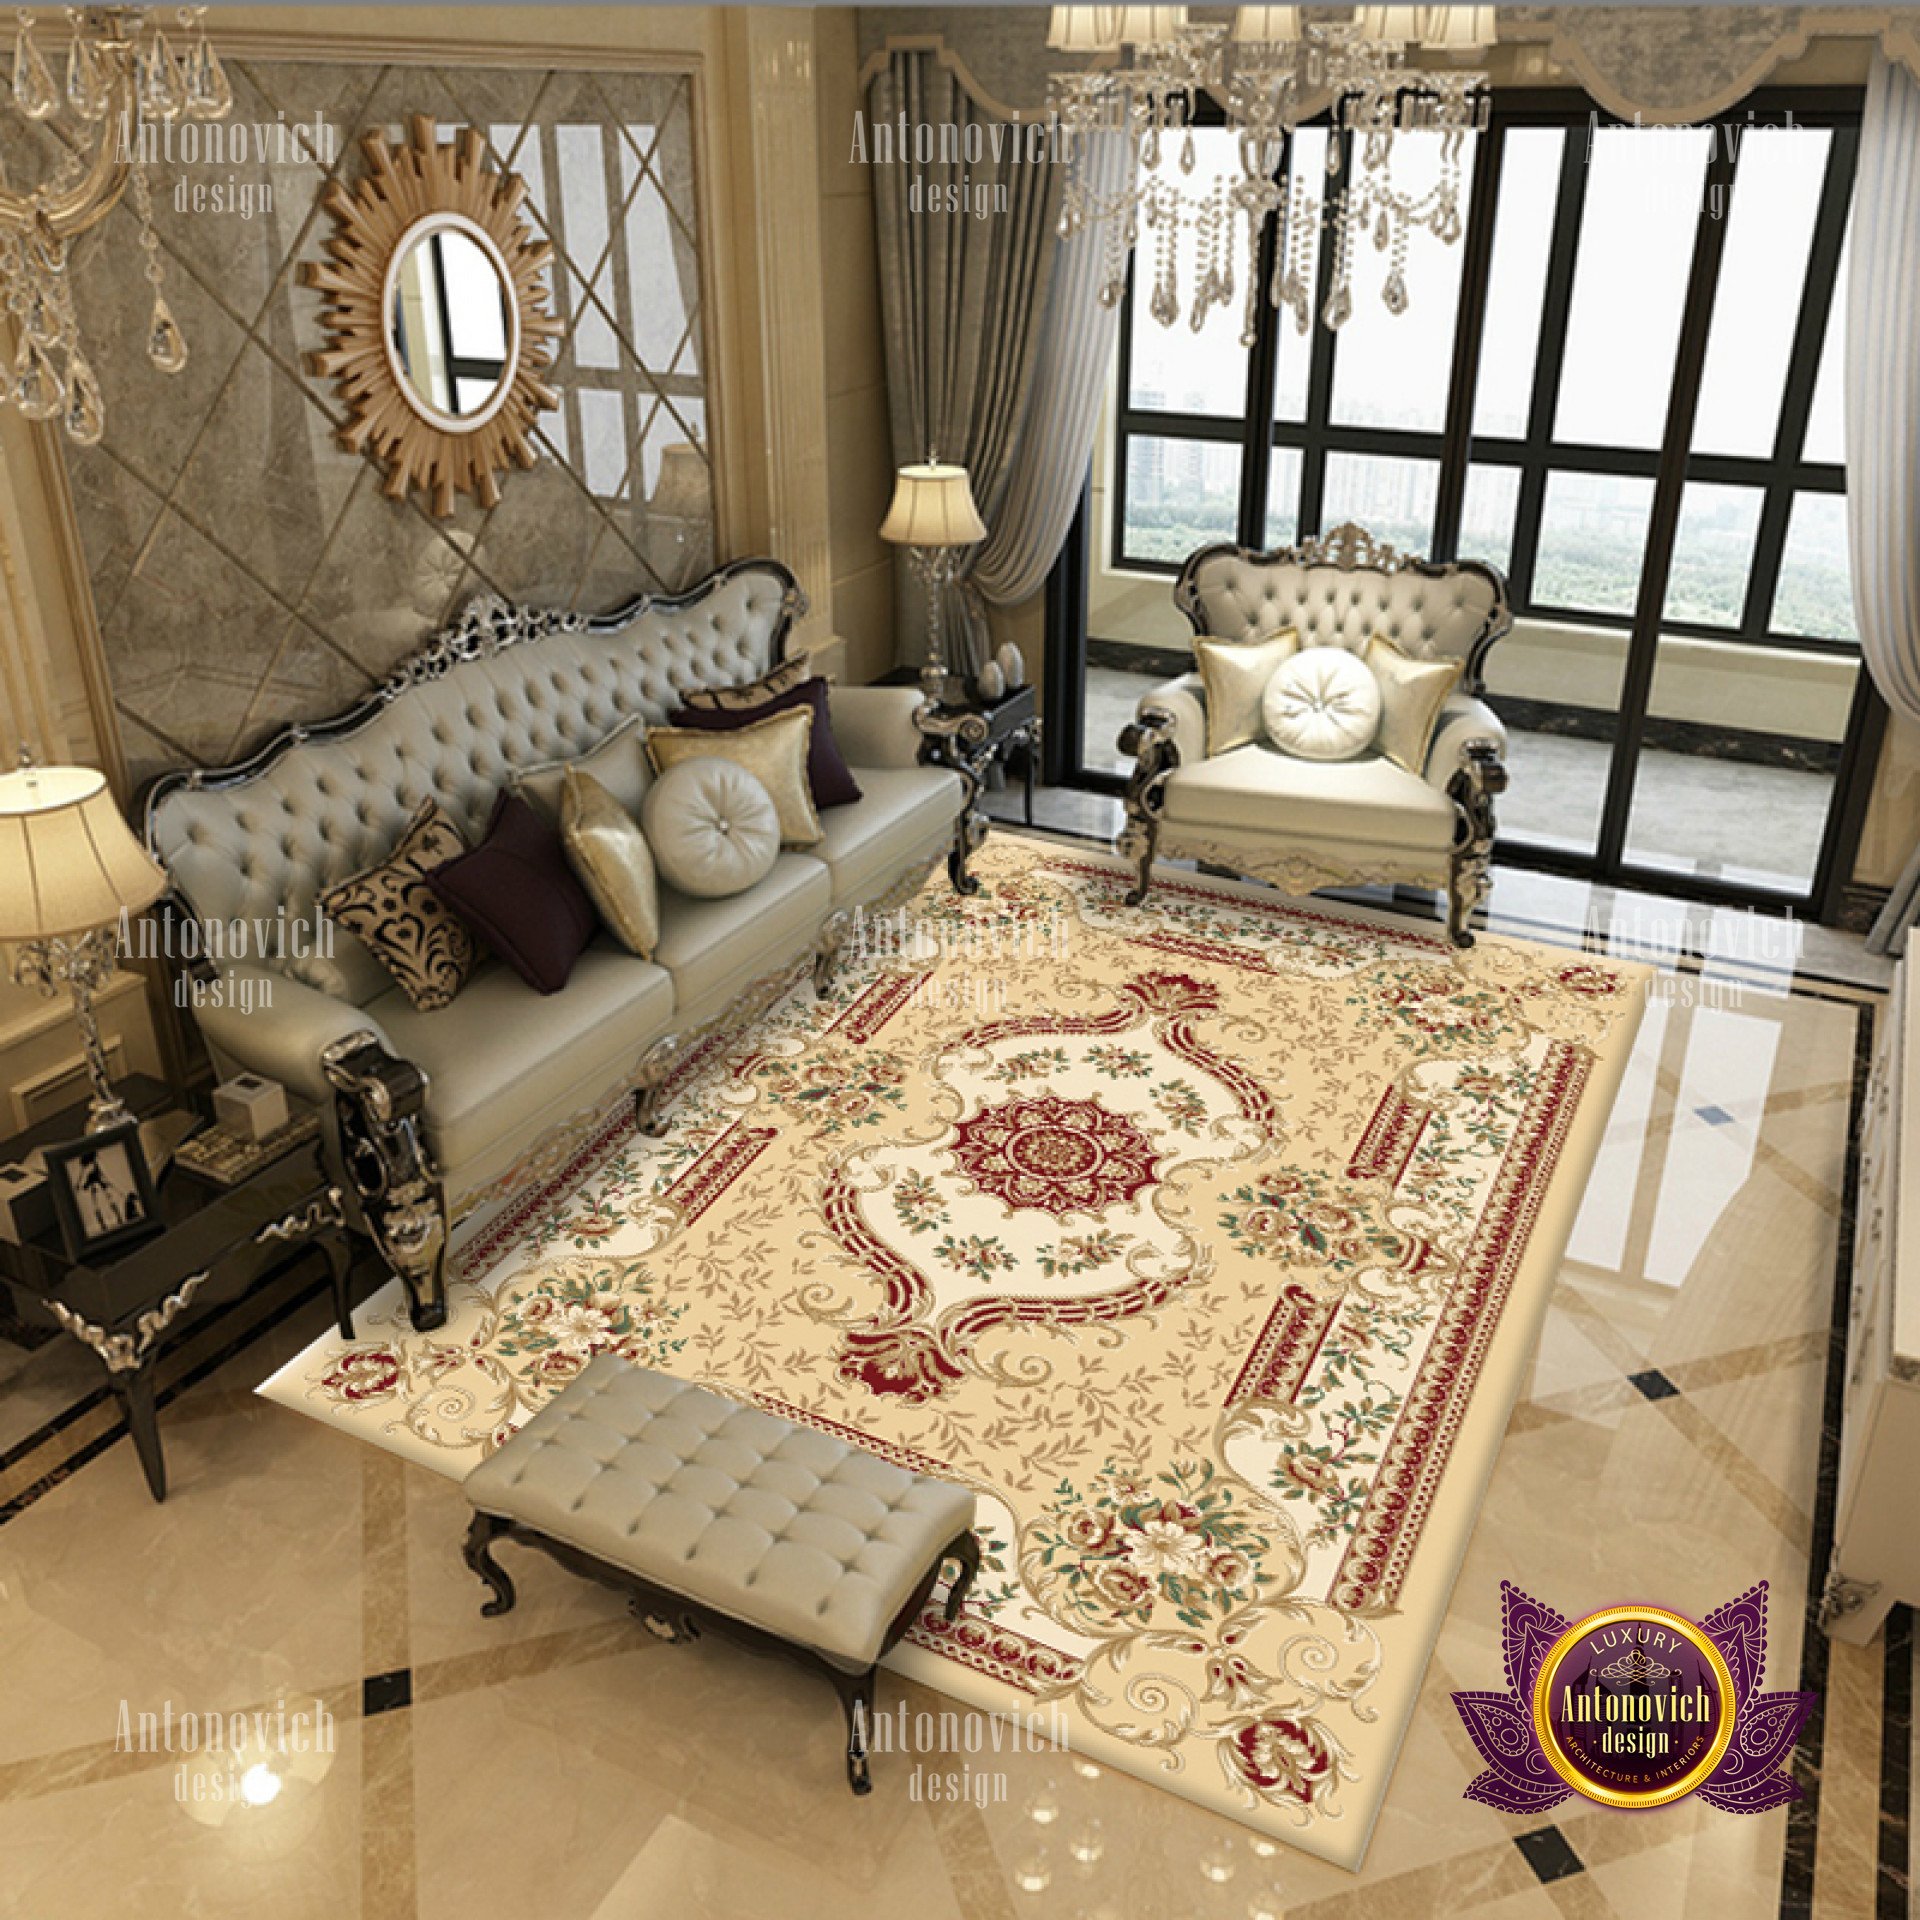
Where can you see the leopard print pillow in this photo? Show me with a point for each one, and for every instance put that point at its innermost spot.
(409, 929)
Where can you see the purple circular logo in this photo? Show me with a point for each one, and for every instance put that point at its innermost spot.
(1634, 1706)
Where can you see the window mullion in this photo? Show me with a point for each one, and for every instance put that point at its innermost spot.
(1469, 323)
(1313, 466)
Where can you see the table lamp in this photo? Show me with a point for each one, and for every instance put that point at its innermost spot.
(69, 867)
(933, 516)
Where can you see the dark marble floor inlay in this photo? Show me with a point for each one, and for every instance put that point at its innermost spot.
(1714, 1116)
(1548, 1853)
(1654, 1384)
(382, 1692)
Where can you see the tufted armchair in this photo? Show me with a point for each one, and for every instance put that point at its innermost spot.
(1304, 824)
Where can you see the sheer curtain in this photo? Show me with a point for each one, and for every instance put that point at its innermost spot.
(1883, 418)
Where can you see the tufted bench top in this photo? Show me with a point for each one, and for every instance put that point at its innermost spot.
(788, 1529)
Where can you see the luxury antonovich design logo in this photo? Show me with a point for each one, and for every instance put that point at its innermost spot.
(1634, 1706)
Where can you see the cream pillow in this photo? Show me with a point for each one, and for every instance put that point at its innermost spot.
(1323, 704)
(1412, 693)
(773, 750)
(619, 763)
(1235, 674)
(610, 857)
(712, 827)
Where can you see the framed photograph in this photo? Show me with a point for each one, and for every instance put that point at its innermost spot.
(103, 1193)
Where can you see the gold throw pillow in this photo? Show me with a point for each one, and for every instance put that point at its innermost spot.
(773, 750)
(1412, 693)
(610, 857)
(406, 926)
(1235, 674)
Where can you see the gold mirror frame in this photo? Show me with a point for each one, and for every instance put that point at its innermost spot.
(427, 184)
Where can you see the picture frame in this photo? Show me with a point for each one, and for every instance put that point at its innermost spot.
(103, 1191)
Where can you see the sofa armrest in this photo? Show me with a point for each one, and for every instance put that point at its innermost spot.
(1462, 718)
(874, 725)
(275, 1026)
(1186, 700)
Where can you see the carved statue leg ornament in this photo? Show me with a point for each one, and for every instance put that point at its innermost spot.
(377, 1101)
(957, 739)
(1150, 741)
(1469, 877)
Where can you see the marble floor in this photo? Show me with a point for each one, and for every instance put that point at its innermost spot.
(559, 1763)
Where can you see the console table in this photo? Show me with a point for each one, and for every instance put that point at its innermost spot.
(1876, 1546)
(210, 1245)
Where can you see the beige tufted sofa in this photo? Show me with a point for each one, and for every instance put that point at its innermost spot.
(1303, 824)
(439, 1117)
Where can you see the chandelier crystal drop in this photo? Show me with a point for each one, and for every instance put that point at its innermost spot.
(122, 76)
(1269, 73)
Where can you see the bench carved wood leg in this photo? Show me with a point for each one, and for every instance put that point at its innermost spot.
(965, 1548)
(478, 1554)
(856, 1699)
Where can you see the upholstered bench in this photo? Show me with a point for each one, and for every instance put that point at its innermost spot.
(711, 1514)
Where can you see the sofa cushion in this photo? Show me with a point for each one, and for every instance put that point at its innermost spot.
(712, 828)
(1235, 674)
(773, 750)
(828, 779)
(502, 1052)
(423, 944)
(611, 859)
(1412, 693)
(751, 693)
(619, 763)
(1322, 704)
(903, 808)
(516, 891)
(713, 948)
(1257, 788)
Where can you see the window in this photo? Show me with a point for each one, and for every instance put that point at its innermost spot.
(1623, 388)
(1589, 272)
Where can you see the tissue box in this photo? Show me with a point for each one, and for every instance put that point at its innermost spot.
(251, 1106)
(26, 1204)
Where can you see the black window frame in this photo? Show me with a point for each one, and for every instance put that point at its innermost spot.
(1781, 475)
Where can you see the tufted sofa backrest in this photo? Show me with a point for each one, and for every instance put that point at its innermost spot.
(503, 688)
(1429, 611)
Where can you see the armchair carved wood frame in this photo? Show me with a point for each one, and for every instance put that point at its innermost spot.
(1333, 589)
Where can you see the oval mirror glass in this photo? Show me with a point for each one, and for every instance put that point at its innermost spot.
(452, 324)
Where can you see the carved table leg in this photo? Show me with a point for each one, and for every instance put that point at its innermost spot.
(478, 1553)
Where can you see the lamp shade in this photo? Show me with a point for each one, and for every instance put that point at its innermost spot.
(1266, 25)
(1083, 29)
(685, 491)
(68, 862)
(933, 507)
(1391, 23)
(1459, 29)
(1151, 26)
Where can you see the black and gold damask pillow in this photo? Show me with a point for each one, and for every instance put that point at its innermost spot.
(781, 679)
(410, 930)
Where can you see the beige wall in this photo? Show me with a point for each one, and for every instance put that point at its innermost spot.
(859, 439)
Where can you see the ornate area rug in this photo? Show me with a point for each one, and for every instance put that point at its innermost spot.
(1208, 1242)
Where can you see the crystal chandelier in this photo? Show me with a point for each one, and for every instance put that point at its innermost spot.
(121, 76)
(1268, 72)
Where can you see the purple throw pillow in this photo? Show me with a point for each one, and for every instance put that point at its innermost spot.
(829, 779)
(516, 891)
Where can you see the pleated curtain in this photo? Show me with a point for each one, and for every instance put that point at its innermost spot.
(997, 343)
(1883, 418)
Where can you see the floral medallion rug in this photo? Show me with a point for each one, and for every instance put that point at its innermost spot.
(1207, 1241)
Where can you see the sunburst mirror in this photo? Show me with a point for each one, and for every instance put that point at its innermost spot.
(436, 314)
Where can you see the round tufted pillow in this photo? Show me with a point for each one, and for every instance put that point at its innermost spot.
(711, 826)
(1323, 704)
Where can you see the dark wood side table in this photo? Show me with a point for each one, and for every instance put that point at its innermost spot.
(210, 1245)
(971, 736)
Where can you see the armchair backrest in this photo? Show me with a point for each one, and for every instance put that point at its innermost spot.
(1344, 588)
